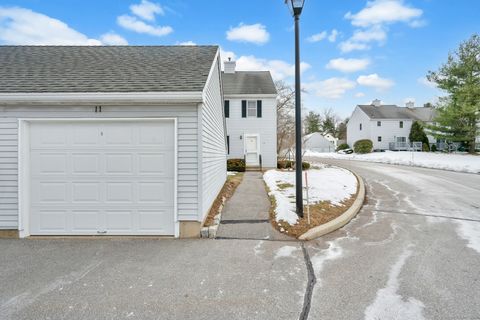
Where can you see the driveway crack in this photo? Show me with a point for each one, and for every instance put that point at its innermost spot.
(311, 281)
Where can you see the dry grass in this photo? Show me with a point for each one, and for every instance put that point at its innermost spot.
(227, 192)
(320, 213)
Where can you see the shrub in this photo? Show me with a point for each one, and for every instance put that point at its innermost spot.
(343, 146)
(434, 148)
(236, 165)
(425, 147)
(287, 164)
(363, 146)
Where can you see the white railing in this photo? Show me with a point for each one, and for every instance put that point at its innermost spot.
(406, 146)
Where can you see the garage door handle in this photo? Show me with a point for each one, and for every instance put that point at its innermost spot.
(102, 232)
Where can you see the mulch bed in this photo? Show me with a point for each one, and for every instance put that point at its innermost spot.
(227, 192)
(320, 213)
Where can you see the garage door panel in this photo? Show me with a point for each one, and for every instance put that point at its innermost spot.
(102, 177)
(119, 163)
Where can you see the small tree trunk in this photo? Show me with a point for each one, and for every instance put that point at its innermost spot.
(471, 146)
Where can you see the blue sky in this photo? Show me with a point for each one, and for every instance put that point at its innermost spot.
(353, 51)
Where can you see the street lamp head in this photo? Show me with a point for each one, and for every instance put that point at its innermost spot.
(295, 6)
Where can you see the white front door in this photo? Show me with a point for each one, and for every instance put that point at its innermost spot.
(101, 177)
(252, 151)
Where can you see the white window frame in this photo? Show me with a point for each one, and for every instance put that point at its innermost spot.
(249, 108)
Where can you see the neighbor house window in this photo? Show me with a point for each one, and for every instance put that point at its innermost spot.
(227, 108)
(379, 123)
(360, 127)
(379, 139)
(228, 144)
(251, 108)
(401, 124)
(401, 139)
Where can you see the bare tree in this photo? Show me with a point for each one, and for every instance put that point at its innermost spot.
(285, 116)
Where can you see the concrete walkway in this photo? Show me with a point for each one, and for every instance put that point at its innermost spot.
(246, 214)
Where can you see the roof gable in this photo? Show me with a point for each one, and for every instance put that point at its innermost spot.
(77, 69)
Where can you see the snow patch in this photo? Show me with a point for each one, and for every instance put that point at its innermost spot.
(285, 251)
(470, 231)
(334, 251)
(328, 184)
(258, 248)
(388, 303)
(454, 162)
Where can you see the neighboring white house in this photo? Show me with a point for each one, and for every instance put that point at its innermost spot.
(110, 140)
(386, 126)
(319, 143)
(251, 116)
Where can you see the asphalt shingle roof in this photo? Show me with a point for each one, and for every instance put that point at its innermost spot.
(248, 82)
(36, 69)
(396, 112)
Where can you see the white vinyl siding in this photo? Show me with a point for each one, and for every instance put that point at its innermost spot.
(213, 142)
(354, 133)
(389, 131)
(265, 127)
(187, 122)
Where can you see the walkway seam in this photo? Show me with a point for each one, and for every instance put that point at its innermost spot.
(312, 280)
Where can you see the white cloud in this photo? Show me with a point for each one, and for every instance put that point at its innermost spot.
(424, 81)
(359, 95)
(187, 43)
(348, 65)
(147, 10)
(317, 37)
(333, 88)
(348, 46)
(19, 26)
(280, 69)
(375, 81)
(136, 25)
(384, 11)
(254, 33)
(113, 39)
(333, 35)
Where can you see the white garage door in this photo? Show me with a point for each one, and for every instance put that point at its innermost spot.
(102, 177)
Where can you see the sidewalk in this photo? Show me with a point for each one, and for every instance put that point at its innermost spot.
(245, 215)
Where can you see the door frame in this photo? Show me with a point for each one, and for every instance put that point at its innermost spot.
(24, 165)
(257, 135)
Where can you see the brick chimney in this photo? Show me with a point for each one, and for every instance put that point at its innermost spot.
(230, 66)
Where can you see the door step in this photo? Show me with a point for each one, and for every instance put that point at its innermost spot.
(253, 169)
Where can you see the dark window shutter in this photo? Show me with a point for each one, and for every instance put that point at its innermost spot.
(227, 109)
(259, 108)
(228, 144)
(244, 108)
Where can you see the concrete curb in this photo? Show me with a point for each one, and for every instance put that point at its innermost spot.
(342, 220)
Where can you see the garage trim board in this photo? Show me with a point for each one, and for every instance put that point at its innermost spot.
(24, 165)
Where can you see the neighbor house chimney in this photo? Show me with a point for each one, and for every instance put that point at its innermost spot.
(410, 104)
(230, 66)
(376, 103)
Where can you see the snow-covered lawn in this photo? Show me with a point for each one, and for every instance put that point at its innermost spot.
(454, 162)
(325, 184)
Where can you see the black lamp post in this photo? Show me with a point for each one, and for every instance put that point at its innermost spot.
(296, 7)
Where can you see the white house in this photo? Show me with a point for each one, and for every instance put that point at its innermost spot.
(319, 143)
(110, 140)
(385, 125)
(251, 116)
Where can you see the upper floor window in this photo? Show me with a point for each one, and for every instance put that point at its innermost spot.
(379, 139)
(227, 108)
(251, 108)
(360, 127)
(379, 123)
(401, 124)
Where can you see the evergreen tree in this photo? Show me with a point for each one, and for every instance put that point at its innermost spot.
(312, 122)
(458, 114)
(417, 134)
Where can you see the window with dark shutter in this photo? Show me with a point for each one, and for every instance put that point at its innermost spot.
(227, 109)
(259, 108)
(244, 108)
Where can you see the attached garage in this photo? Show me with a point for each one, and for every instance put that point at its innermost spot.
(122, 163)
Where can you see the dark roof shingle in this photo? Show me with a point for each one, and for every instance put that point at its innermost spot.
(395, 112)
(37, 69)
(248, 82)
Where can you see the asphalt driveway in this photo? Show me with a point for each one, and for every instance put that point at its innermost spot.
(413, 252)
